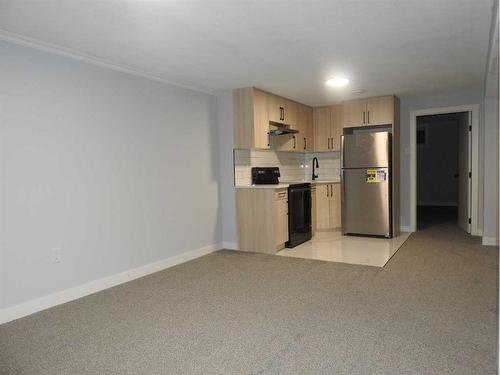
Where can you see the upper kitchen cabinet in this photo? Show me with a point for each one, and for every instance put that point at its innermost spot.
(305, 137)
(327, 128)
(380, 110)
(251, 120)
(281, 110)
(369, 112)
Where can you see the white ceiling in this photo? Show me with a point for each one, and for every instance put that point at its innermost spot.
(289, 47)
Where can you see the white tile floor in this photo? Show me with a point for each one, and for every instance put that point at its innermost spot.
(334, 247)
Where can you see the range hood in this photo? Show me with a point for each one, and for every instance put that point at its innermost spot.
(277, 128)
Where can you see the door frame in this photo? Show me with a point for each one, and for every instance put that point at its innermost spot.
(474, 152)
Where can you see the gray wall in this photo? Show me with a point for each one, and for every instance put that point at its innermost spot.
(490, 230)
(437, 162)
(228, 205)
(444, 99)
(116, 170)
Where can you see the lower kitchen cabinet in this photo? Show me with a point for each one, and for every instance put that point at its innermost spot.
(262, 219)
(328, 206)
(281, 217)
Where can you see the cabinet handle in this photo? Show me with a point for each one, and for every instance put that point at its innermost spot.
(294, 142)
(368, 117)
(282, 114)
(363, 117)
(305, 143)
(268, 139)
(328, 143)
(327, 191)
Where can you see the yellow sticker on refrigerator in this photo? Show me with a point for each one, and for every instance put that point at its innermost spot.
(374, 176)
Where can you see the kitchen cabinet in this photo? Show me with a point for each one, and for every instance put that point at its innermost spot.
(328, 206)
(281, 216)
(302, 141)
(251, 119)
(262, 219)
(305, 141)
(281, 110)
(369, 112)
(327, 128)
(380, 110)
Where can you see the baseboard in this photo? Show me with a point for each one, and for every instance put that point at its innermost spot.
(490, 241)
(30, 307)
(229, 245)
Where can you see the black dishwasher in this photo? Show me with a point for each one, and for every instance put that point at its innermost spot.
(299, 214)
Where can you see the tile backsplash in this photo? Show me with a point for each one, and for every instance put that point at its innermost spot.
(293, 166)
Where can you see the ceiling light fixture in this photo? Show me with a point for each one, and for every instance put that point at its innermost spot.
(337, 82)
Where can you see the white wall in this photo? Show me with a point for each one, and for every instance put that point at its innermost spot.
(116, 170)
(444, 99)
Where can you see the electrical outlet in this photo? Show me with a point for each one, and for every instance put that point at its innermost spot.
(56, 255)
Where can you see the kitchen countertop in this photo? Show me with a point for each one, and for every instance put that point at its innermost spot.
(286, 184)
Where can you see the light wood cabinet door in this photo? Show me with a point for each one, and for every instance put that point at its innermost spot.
(380, 110)
(335, 127)
(275, 108)
(251, 121)
(261, 120)
(309, 130)
(322, 206)
(290, 113)
(321, 118)
(354, 113)
(281, 216)
(335, 206)
(305, 128)
(301, 127)
(282, 110)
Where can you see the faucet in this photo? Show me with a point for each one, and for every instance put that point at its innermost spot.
(315, 162)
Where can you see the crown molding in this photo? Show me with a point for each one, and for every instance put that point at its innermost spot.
(15, 38)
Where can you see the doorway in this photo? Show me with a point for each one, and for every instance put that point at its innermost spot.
(473, 155)
(443, 166)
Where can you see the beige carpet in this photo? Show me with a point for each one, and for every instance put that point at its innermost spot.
(431, 310)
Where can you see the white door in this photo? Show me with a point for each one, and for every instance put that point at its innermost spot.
(464, 168)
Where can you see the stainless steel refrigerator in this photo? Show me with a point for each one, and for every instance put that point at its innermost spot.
(366, 184)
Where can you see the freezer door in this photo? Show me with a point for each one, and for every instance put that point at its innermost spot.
(366, 202)
(365, 150)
